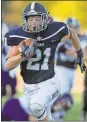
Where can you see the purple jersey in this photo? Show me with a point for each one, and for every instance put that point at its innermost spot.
(7, 80)
(12, 110)
(5, 77)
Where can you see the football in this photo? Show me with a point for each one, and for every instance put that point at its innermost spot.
(15, 50)
(27, 43)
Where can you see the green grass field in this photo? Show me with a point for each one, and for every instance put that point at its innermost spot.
(75, 112)
(72, 114)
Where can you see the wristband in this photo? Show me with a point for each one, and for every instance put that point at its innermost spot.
(79, 53)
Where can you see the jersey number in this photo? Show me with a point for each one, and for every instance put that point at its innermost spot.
(37, 66)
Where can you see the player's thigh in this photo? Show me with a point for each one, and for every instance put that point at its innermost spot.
(29, 91)
(45, 94)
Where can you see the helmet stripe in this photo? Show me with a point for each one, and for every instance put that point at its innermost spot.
(32, 5)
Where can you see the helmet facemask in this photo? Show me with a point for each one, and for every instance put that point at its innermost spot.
(35, 29)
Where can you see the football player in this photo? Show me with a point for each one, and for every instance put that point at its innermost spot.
(74, 23)
(37, 59)
(65, 72)
(66, 56)
(60, 106)
(7, 78)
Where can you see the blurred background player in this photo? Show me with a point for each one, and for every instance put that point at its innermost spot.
(66, 59)
(65, 71)
(74, 23)
(14, 110)
(60, 106)
(8, 79)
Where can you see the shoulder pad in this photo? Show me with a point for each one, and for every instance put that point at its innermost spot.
(15, 36)
(64, 29)
(59, 27)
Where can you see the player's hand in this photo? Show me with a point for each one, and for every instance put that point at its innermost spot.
(80, 61)
(28, 51)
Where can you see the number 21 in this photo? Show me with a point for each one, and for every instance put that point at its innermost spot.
(37, 66)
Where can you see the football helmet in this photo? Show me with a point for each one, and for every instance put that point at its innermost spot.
(35, 9)
(72, 22)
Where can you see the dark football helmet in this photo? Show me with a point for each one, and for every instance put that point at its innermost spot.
(35, 9)
(72, 22)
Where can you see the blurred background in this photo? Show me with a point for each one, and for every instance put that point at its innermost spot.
(59, 10)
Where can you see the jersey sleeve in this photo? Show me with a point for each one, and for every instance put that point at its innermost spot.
(66, 30)
(10, 41)
(12, 37)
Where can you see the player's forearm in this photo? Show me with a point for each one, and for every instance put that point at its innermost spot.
(13, 62)
(75, 40)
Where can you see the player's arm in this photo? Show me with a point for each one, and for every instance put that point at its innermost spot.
(12, 59)
(76, 42)
(74, 38)
(19, 53)
(70, 34)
